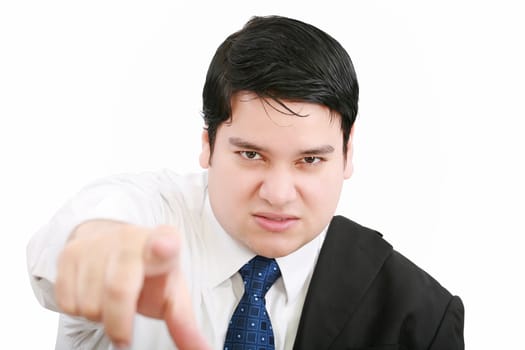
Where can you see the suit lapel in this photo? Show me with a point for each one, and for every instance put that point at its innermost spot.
(350, 258)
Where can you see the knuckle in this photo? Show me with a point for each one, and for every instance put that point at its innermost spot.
(67, 256)
(91, 311)
(115, 291)
(64, 298)
(65, 304)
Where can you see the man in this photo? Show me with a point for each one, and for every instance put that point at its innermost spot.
(146, 261)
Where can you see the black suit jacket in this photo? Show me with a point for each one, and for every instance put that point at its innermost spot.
(365, 295)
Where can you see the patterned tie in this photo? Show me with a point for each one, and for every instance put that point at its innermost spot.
(250, 327)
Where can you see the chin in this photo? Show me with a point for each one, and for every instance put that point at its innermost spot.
(274, 250)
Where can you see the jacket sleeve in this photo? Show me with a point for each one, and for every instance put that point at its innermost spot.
(449, 335)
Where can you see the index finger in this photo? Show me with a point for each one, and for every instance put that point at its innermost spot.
(124, 279)
(180, 319)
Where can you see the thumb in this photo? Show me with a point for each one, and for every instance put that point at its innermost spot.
(161, 251)
(180, 319)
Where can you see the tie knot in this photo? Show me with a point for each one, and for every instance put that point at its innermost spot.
(258, 275)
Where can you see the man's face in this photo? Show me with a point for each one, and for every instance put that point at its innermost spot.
(275, 178)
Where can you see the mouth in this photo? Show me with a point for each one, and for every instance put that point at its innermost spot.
(275, 222)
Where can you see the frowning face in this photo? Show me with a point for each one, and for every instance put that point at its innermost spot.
(275, 178)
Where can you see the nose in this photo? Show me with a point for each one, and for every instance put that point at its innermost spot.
(278, 187)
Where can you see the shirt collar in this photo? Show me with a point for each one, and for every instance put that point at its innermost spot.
(225, 256)
(297, 267)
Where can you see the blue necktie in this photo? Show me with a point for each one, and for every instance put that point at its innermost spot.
(250, 327)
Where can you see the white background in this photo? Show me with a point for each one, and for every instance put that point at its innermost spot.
(89, 89)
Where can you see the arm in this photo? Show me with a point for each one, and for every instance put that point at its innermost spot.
(121, 199)
(115, 262)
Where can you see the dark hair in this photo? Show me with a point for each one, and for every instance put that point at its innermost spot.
(282, 59)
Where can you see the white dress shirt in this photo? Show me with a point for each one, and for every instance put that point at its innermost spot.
(211, 259)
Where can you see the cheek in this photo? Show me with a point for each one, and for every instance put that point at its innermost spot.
(231, 183)
(322, 192)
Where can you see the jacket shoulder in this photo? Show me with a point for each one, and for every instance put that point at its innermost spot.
(415, 304)
(404, 275)
(364, 293)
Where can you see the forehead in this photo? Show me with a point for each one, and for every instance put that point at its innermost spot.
(265, 117)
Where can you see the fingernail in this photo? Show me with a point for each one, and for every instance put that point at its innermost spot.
(120, 346)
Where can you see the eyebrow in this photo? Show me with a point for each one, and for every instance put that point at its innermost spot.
(324, 149)
(238, 142)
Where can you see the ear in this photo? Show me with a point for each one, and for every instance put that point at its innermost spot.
(204, 158)
(349, 165)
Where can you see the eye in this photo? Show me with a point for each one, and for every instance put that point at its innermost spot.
(252, 155)
(311, 160)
